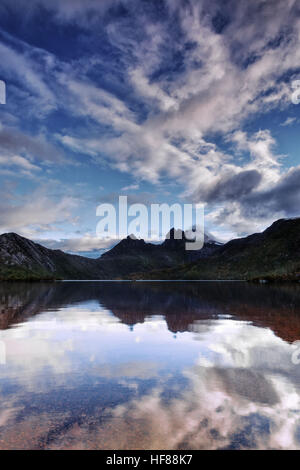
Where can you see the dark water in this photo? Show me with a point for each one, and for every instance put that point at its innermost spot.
(149, 366)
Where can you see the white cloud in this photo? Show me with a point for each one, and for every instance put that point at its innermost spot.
(80, 244)
(131, 187)
(30, 76)
(36, 213)
(289, 121)
(24, 165)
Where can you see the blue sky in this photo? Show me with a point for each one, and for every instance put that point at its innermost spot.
(163, 101)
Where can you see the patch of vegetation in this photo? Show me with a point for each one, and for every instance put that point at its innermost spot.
(15, 273)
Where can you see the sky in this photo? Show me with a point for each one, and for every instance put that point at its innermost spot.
(165, 101)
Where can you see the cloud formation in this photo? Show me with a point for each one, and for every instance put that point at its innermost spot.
(169, 93)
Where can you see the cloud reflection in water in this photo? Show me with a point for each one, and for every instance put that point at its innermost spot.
(138, 366)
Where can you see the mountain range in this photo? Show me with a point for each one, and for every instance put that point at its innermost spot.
(271, 255)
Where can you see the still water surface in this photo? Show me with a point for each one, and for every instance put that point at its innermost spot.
(149, 366)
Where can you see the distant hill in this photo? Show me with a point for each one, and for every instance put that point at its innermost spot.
(132, 255)
(272, 255)
(21, 258)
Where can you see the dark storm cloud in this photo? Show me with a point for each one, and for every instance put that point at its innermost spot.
(283, 198)
(235, 187)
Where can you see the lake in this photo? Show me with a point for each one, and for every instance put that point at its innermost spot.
(149, 365)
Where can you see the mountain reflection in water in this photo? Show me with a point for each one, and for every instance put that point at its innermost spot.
(149, 365)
